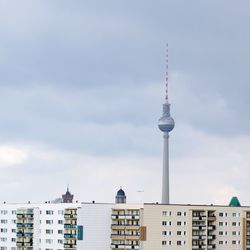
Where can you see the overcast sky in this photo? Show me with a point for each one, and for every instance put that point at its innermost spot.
(82, 87)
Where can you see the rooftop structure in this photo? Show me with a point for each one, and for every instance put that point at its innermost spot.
(67, 197)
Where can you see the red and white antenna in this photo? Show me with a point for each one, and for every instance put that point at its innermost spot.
(166, 97)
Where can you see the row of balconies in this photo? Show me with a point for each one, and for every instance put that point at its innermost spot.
(69, 246)
(125, 236)
(24, 244)
(24, 225)
(123, 227)
(22, 234)
(125, 216)
(70, 236)
(70, 216)
(69, 226)
(124, 246)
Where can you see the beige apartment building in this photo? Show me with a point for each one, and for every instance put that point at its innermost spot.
(189, 227)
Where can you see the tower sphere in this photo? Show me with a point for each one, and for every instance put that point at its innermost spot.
(166, 122)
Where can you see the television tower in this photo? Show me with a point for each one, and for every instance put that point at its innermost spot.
(166, 125)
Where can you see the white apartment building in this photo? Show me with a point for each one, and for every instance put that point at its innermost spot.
(58, 226)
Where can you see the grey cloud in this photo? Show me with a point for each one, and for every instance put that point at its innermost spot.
(87, 77)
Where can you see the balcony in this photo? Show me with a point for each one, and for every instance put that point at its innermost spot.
(132, 237)
(132, 217)
(28, 244)
(28, 225)
(211, 218)
(69, 246)
(117, 227)
(199, 237)
(117, 246)
(199, 247)
(131, 246)
(69, 226)
(211, 246)
(118, 216)
(70, 236)
(199, 227)
(211, 227)
(19, 234)
(211, 237)
(125, 236)
(70, 216)
(199, 218)
(28, 234)
(118, 236)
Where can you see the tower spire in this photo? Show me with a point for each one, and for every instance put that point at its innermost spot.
(166, 124)
(166, 96)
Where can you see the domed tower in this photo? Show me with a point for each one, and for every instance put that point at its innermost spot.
(166, 124)
(120, 196)
(67, 197)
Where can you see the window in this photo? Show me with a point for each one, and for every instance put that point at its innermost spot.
(49, 212)
(60, 212)
(166, 233)
(178, 232)
(166, 243)
(178, 223)
(49, 231)
(222, 223)
(49, 241)
(60, 221)
(60, 231)
(49, 221)
(166, 213)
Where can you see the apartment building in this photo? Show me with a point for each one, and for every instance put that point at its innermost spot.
(195, 227)
(103, 226)
(125, 226)
(51, 226)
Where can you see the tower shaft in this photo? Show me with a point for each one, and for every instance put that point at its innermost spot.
(165, 169)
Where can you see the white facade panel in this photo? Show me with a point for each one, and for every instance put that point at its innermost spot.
(96, 221)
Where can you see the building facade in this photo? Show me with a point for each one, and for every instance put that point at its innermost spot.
(55, 226)
(195, 227)
(99, 226)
